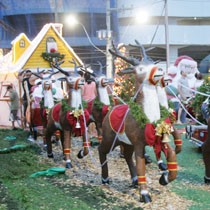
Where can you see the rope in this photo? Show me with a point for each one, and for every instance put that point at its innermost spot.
(195, 91)
(183, 107)
(114, 94)
(111, 149)
(137, 92)
(86, 137)
(123, 120)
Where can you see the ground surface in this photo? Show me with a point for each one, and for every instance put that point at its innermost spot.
(83, 183)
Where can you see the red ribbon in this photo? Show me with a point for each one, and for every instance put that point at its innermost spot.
(73, 120)
(154, 140)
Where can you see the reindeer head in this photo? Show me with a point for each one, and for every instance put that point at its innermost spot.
(73, 79)
(100, 79)
(144, 69)
(46, 77)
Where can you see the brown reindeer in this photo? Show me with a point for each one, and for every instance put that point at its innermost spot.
(100, 105)
(206, 155)
(175, 133)
(133, 136)
(42, 91)
(67, 121)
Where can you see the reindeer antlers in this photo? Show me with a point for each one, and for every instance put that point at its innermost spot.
(130, 60)
(145, 58)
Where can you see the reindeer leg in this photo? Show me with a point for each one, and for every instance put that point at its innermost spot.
(67, 148)
(47, 136)
(85, 151)
(99, 131)
(104, 165)
(141, 171)
(35, 132)
(177, 140)
(45, 140)
(161, 165)
(57, 137)
(172, 166)
(206, 156)
(128, 153)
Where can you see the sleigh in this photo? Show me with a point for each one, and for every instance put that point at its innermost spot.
(197, 134)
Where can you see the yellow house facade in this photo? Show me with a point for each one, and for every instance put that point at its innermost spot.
(25, 54)
(29, 55)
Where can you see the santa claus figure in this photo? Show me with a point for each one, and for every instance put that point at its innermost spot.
(187, 66)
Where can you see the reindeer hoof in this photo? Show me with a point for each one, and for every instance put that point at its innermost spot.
(148, 160)
(105, 181)
(122, 155)
(80, 155)
(134, 184)
(162, 166)
(69, 165)
(206, 180)
(50, 155)
(145, 198)
(164, 178)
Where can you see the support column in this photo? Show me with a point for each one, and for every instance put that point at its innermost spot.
(173, 54)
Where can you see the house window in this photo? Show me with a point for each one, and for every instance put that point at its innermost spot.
(51, 45)
(22, 43)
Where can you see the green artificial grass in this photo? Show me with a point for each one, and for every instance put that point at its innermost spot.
(190, 179)
(21, 189)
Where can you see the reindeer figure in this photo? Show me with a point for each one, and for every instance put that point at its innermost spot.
(130, 134)
(206, 155)
(163, 101)
(43, 91)
(98, 113)
(176, 135)
(67, 121)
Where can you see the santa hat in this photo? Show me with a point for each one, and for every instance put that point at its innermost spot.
(181, 58)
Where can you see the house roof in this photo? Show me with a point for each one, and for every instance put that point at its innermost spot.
(6, 64)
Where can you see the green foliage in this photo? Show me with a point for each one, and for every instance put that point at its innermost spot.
(199, 99)
(98, 104)
(164, 113)
(66, 107)
(138, 114)
(190, 183)
(170, 104)
(19, 191)
(51, 57)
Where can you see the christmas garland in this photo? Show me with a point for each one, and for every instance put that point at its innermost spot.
(164, 113)
(52, 56)
(138, 114)
(199, 99)
(66, 107)
(142, 119)
(99, 105)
